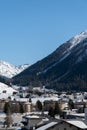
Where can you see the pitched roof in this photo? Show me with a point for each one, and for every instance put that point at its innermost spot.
(45, 127)
(78, 123)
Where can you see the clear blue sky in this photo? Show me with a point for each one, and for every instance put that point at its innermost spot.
(32, 29)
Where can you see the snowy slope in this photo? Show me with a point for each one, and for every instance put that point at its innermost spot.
(73, 42)
(4, 87)
(6, 91)
(9, 70)
(78, 38)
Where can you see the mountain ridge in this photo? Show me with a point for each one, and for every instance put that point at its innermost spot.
(61, 68)
(8, 70)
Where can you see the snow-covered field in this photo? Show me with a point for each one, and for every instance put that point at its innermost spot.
(5, 91)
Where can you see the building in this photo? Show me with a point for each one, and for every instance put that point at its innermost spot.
(70, 125)
(31, 121)
(65, 125)
(28, 107)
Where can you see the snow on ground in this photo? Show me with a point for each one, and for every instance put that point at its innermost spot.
(5, 91)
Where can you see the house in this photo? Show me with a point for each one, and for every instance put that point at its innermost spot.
(80, 106)
(70, 125)
(65, 125)
(31, 121)
(28, 106)
(64, 105)
(48, 104)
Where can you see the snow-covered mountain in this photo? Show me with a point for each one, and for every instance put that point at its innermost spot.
(22, 67)
(78, 38)
(8, 70)
(66, 66)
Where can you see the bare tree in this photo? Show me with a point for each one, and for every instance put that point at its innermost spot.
(8, 118)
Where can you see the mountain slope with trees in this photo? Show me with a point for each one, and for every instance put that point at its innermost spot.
(64, 69)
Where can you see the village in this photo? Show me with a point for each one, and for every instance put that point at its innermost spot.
(43, 64)
(42, 109)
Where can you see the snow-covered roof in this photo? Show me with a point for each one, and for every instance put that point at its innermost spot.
(78, 114)
(77, 123)
(47, 126)
(31, 117)
(42, 99)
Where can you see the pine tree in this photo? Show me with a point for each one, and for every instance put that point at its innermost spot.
(71, 104)
(51, 112)
(39, 105)
(17, 108)
(57, 110)
(21, 108)
(8, 119)
(7, 107)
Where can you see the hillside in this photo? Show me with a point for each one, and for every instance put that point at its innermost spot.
(6, 91)
(64, 69)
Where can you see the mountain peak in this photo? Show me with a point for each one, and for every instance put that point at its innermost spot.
(84, 32)
(78, 38)
(9, 70)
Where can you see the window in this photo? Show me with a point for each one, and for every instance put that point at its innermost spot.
(4, 91)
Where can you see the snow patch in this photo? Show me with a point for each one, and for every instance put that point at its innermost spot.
(78, 38)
